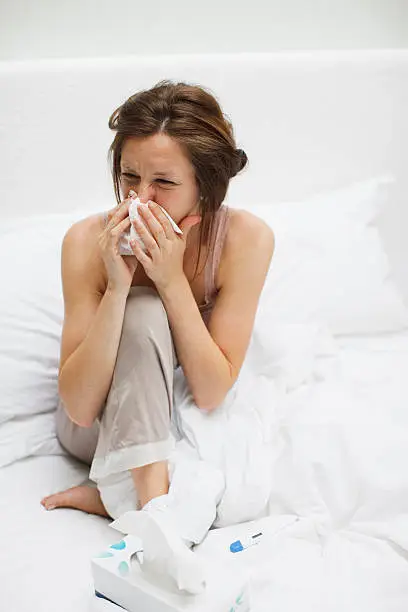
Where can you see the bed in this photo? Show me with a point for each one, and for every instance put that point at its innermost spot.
(325, 134)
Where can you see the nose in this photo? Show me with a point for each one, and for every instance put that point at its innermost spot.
(146, 192)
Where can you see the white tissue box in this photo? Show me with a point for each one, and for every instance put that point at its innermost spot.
(121, 581)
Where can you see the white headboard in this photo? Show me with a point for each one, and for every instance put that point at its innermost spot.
(307, 121)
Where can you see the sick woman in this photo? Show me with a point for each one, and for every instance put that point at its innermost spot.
(153, 342)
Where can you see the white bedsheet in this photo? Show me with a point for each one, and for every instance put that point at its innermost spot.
(341, 469)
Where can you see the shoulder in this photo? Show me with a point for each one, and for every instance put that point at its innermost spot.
(248, 238)
(83, 235)
(80, 250)
(244, 224)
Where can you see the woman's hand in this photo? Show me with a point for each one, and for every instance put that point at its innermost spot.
(120, 268)
(163, 262)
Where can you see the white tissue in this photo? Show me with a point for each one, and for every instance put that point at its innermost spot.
(167, 561)
(124, 242)
(170, 524)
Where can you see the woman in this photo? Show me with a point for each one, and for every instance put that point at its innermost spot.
(188, 302)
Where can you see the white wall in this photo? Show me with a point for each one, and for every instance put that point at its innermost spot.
(72, 28)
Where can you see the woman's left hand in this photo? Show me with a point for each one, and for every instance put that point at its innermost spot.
(163, 262)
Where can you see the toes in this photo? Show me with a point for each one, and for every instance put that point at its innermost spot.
(49, 505)
(50, 502)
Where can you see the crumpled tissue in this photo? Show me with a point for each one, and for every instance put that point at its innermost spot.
(124, 242)
(170, 524)
(166, 558)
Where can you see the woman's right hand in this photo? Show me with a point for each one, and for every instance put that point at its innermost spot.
(119, 268)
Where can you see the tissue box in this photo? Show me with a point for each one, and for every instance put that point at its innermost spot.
(118, 578)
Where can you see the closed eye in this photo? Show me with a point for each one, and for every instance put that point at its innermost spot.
(133, 176)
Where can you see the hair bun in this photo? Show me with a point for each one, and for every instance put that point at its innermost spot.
(242, 158)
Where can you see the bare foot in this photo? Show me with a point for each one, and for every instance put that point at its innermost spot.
(82, 497)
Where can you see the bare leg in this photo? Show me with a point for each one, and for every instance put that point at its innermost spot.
(83, 498)
(150, 481)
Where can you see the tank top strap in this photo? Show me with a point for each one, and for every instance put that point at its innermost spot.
(220, 232)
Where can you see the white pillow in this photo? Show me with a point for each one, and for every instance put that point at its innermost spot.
(329, 264)
(31, 317)
(29, 435)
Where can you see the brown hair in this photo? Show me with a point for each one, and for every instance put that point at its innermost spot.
(193, 117)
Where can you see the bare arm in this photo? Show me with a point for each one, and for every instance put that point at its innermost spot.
(92, 328)
(211, 359)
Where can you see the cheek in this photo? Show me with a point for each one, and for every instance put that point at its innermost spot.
(172, 203)
(168, 198)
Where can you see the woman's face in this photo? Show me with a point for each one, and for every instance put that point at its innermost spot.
(157, 169)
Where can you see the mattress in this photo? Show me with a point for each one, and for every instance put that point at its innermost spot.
(45, 556)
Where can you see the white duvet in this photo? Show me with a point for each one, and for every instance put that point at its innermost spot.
(317, 432)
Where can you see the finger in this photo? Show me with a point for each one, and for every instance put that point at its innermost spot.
(139, 253)
(114, 235)
(157, 212)
(154, 224)
(113, 211)
(118, 214)
(112, 215)
(145, 235)
(118, 230)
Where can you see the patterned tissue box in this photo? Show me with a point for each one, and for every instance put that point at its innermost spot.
(118, 577)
